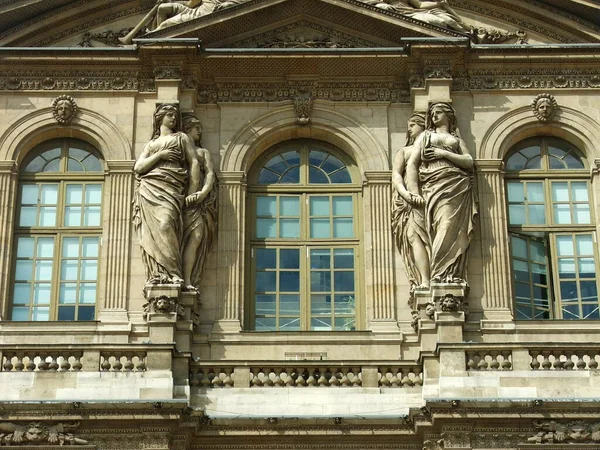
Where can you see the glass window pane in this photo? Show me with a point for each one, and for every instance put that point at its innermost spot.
(562, 214)
(74, 166)
(516, 162)
(69, 270)
(28, 216)
(320, 305)
(570, 312)
(590, 312)
(277, 164)
(52, 166)
(289, 259)
(568, 291)
(344, 304)
(560, 191)
(537, 214)
(566, 268)
(289, 281)
(91, 216)
(29, 194)
(320, 324)
(92, 164)
(579, 191)
(266, 228)
(319, 206)
(343, 258)
(45, 247)
(289, 304)
(523, 292)
(68, 293)
(66, 313)
(90, 247)
(332, 164)
(320, 281)
(342, 206)
(582, 214)
(320, 228)
(289, 324)
(266, 206)
(22, 294)
(345, 323)
(289, 228)
(41, 294)
(585, 245)
(25, 247)
(36, 164)
(340, 177)
(265, 324)
(317, 176)
(266, 281)
(48, 216)
(519, 247)
(589, 291)
(521, 270)
(87, 293)
(343, 281)
(89, 270)
(267, 177)
(289, 206)
(74, 195)
(86, 313)
(516, 213)
(534, 163)
(41, 313)
(292, 176)
(20, 314)
(291, 157)
(538, 274)
(24, 270)
(565, 245)
(535, 192)
(343, 228)
(266, 258)
(93, 194)
(265, 304)
(316, 157)
(320, 259)
(49, 194)
(587, 268)
(70, 248)
(537, 251)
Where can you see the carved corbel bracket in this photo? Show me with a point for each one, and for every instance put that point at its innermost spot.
(303, 105)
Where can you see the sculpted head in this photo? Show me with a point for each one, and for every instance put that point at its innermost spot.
(441, 113)
(192, 127)
(544, 106)
(64, 108)
(415, 126)
(168, 115)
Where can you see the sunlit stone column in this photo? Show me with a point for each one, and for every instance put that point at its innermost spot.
(118, 240)
(379, 251)
(497, 298)
(230, 251)
(8, 191)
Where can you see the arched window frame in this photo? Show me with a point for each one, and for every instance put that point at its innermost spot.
(67, 238)
(304, 190)
(542, 242)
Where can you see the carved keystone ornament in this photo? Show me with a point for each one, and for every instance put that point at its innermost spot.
(64, 108)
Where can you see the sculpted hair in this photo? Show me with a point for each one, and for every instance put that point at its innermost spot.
(450, 112)
(419, 119)
(159, 113)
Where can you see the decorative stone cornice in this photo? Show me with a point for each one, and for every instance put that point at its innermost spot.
(489, 165)
(378, 177)
(8, 167)
(74, 80)
(528, 79)
(120, 166)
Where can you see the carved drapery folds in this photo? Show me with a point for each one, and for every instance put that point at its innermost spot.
(39, 433)
(174, 202)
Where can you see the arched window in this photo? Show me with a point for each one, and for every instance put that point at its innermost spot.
(304, 246)
(57, 233)
(552, 231)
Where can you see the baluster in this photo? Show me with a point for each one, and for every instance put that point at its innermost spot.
(418, 376)
(406, 381)
(357, 379)
(593, 364)
(494, 364)
(228, 380)
(506, 363)
(7, 364)
(117, 365)
(334, 381)
(43, 364)
(301, 378)
(217, 381)
(322, 380)
(385, 377)
(276, 373)
(482, 364)
(581, 364)
(140, 365)
(344, 380)
(194, 379)
(30, 366)
(395, 381)
(205, 379)
(53, 366)
(558, 362)
(267, 373)
(535, 363)
(105, 365)
(289, 378)
(568, 364)
(64, 364)
(19, 366)
(470, 360)
(128, 366)
(546, 364)
(311, 381)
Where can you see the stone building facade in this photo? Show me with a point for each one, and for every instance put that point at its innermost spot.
(314, 323)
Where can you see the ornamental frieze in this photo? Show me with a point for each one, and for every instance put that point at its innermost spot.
(74, 81)
(277, 92)
(541, 80)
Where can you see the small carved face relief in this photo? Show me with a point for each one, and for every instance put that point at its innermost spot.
(544, 106)
(63, 109)
(33, 434)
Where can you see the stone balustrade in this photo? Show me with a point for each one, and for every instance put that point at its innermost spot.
(42, 361)
(117, 361)
(489, 359)
(561, 359)
(306, 374)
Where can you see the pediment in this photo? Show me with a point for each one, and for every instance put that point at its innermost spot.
(295, 23)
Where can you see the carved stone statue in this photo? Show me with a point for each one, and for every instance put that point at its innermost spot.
(38, 433)
(437, 13)
(408, 208)
(446, 176)
(200, 212)
(167, 171)
(167, 13)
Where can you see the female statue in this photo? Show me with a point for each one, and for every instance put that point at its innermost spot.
(408, 213)
(166, 171)
(200, 213)
(446, 175)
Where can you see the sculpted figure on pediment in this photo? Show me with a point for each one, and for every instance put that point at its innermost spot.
(167, 13)
(408, 208)
(437, 13)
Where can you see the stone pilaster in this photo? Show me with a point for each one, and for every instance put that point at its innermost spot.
(497, 298)
(230, 251)
(379, 251)
(118, 240)
(8, 191)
